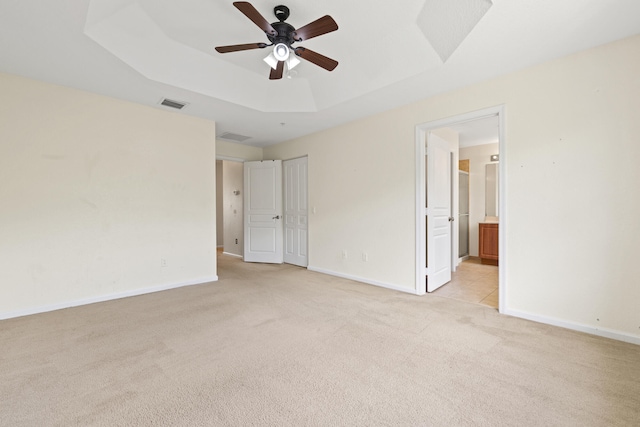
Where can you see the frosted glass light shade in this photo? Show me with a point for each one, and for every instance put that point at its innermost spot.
(292, 62)
(271, 60)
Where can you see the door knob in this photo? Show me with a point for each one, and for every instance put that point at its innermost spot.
(276, 217)
(450, 219)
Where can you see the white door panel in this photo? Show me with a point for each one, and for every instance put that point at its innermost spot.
(263, 211)
(296, 212)
(438, 212)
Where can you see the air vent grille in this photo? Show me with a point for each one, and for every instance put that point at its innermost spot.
(173, 104)
(446, 24)
(233, 137)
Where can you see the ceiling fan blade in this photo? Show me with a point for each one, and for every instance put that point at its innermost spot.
(321, 26)
(320, 60)
(277, 73)
(239, 47)
(251, 13)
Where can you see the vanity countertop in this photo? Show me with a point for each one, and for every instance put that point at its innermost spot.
(490, 220)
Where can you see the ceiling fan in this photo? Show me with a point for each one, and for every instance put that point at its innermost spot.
(282, 36)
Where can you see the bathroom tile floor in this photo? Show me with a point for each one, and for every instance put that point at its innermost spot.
(472, 282)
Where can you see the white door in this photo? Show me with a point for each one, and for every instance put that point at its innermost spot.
(438, 212)
(295, 212)
(263, 211)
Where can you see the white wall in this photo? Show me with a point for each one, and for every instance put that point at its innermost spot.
(571, 154)
(95, 193)
(478, 157)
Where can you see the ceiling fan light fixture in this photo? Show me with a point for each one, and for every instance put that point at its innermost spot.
(281, 51)
(292, 61)
(271, 60)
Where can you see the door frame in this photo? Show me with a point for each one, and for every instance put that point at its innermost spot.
(420, 231)
(244, 160)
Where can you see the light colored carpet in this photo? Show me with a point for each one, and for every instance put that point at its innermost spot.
(282, 346)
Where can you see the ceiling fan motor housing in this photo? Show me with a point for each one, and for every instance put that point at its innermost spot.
(281, 12)
(285, 33)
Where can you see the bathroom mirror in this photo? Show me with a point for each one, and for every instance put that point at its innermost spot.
(491, 184)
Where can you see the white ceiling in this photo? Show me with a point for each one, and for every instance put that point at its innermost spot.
(478, 132)
(390, 53)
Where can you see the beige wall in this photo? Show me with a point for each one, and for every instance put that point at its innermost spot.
(227, 150)
(361, 190)
(95, 193)
(571, 154)
(478, 157)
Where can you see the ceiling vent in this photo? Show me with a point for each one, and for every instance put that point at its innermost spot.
(233, 137)
(447, 24)
(178, 105)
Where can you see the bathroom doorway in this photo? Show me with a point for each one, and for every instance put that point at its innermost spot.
(229, 206)
(480, 141)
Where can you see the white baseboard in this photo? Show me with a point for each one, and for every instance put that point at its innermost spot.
(601, 332)
(360, 279)
(102, 298)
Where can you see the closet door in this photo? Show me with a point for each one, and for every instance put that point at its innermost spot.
(263, 211)
(296, 214)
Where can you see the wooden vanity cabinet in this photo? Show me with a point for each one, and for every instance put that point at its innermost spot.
(488, 243)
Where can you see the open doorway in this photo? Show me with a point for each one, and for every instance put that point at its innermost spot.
(229, 207)
(479, 137)
(476, 278)
(232, 205)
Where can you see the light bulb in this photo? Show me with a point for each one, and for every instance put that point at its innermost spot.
(281, 51)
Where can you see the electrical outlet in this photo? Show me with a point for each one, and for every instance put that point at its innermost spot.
(163, 262)
(365, 256)
(236, 241)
